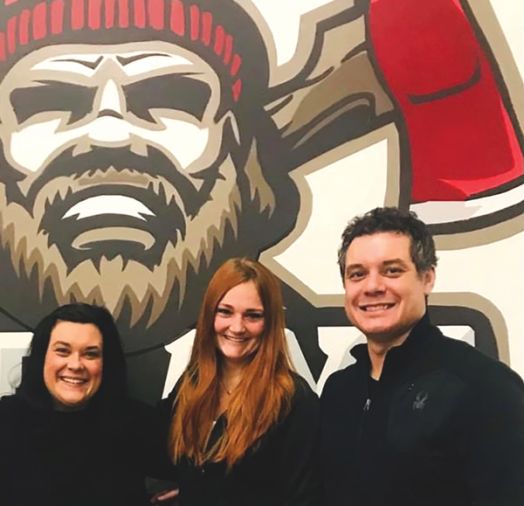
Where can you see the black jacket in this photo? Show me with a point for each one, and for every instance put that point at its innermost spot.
(444, 426)
(90, 457)
(280, 470)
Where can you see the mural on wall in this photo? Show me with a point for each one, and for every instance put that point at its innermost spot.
(146, 141)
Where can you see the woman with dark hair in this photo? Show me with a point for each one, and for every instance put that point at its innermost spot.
(244, 425)
(69, 435)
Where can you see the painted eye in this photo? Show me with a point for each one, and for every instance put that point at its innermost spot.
(49, 95)
(172, 92)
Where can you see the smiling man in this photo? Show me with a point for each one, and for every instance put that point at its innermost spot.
(125, 173)
(419, 419)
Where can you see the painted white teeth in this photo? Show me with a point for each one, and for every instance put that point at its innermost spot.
(109, 204)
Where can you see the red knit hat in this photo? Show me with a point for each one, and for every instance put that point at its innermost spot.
(214, 30)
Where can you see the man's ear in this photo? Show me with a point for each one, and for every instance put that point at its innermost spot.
(428, 278)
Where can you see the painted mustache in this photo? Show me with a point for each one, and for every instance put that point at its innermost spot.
(118, 165)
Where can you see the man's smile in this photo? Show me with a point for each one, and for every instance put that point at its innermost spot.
(376, 307)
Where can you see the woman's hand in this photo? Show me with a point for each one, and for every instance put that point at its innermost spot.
(163, 496)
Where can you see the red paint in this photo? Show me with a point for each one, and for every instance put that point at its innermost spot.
(219, 40)
(77, 14)
(11, 34)
(57, 16)
(207, 27)
(94, 14)
(235, 64)
(40, 21)
(2, 46)
(155, 9)
(461, 144)
(109, 9)
(237, 89)
(123, 13)
(140, 13)
(194, 13)
(228, 49)
(23, 27)
(177, 21)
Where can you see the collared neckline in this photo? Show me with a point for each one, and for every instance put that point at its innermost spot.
(401, 355)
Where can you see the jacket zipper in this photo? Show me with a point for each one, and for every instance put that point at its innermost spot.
(365, 414)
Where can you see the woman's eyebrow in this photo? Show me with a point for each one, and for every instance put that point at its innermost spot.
(61, 343)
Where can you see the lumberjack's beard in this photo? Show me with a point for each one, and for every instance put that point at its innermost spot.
(146, 265)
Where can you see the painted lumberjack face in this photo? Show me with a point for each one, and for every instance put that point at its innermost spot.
(117, 176)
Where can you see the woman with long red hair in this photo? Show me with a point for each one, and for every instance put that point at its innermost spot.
(244, 425)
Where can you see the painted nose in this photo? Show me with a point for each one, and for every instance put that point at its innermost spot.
(111, 100)
(109, 126)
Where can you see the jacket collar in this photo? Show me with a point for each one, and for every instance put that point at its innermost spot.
(400, 356)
